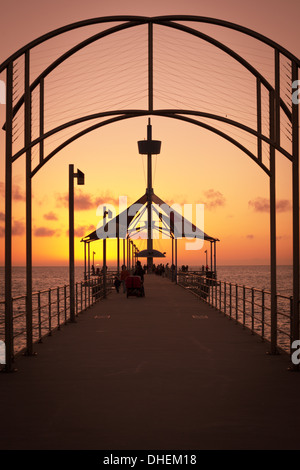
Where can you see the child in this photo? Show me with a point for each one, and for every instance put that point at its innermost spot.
(117, 283)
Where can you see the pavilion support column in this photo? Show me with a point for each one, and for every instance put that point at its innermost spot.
(104, 267)
(215, 259)
(176, 269)
(124, 252)
(118, 255)
(127, 252)
(172, 266)
(89, 271)
(84, 244)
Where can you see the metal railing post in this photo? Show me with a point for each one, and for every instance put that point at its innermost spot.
(216, 290)
(244, 305)
(263, 314)
(65, 303)
(39, 317)
(58, 309)
(230, 300)
(76, 299)
(252, 310)
(236, 303)
(49, 312)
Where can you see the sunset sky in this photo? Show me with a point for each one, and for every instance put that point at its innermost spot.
(195, 166)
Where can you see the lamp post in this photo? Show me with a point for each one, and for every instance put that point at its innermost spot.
(94, 261)
(149, 147)
(80, 181)
(105, 213)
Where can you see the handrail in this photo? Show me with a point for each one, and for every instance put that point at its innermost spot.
(51, 309)
(249, 306)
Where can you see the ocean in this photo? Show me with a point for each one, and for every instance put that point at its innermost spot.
(54, 276)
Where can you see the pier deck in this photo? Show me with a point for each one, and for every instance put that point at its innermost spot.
(161, 372)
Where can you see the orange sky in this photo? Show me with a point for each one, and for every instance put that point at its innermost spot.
(195, 166)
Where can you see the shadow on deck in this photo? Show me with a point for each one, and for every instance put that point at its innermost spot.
(161, 372)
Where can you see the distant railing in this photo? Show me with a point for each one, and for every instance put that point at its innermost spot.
(248, 306)
(51, 309)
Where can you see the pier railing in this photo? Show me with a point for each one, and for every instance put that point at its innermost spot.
(249, 306)
(51, 309)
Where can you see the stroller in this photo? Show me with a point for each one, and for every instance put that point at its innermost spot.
(135, 286)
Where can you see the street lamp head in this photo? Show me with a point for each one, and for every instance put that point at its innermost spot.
(80, 177)
(147, 147)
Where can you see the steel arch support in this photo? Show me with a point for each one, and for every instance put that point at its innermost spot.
(27, 135)
(296, 250)
(8, 222)
(272, 189)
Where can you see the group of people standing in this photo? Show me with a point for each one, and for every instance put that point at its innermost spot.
(139, 271)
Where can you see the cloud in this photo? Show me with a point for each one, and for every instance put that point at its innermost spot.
(83, 230)
(282, 237)
(44, 232)
(214, 199)
(261, 204)
(50, 216)
(283, 205)
(17, 229)
(250, 236)
(85, 201)
(18, 194)
(2, 216)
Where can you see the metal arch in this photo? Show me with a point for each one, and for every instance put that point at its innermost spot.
(230, 25)
(188, 30)
(121, 27)
(162, 112)
(146, 19)
(231, 53)
(172, 115)
(67, 28)
(68, 54)
(81, 134)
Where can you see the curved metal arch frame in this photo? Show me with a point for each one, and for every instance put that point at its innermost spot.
(146, 19)
(275, 105)
(39, 81)
(133, 114)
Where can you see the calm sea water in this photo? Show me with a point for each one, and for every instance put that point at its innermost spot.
(52, 276)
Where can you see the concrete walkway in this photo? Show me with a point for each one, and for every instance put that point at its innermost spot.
(161, 372)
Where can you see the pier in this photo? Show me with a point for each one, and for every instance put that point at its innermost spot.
(166, 371)
(198, 362)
